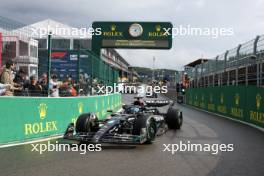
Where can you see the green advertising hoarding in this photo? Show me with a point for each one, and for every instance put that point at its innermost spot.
(238, 102)
(25, 118)
(144, 35)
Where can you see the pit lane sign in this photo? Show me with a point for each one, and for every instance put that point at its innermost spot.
(138, 35)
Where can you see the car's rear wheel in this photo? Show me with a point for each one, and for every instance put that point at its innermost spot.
(87, 123)
(144, 122)
(174, 118)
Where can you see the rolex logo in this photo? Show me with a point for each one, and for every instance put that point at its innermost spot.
(96, 106)
(237, 99)
(42, 110)
(158, 28)
(211, 98)
(113, 27)
(80, 107)
(222, 98)
(258, 100)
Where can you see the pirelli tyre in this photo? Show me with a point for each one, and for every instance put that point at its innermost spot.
(87, 122)
(145, 124)
(174, 118)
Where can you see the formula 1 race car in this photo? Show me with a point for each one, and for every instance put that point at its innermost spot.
(133, 125)
(153, 95)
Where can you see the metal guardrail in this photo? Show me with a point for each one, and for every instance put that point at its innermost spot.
(242, 65)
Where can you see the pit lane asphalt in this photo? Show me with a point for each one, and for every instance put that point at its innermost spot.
(198, 127)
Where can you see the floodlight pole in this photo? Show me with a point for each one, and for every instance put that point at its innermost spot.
(49, 62)
(175, 78)
(78, 69)
(153, 75)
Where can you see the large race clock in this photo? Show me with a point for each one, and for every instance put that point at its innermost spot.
(135, 30)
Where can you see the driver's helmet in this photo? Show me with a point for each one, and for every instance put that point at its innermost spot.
(133, 110)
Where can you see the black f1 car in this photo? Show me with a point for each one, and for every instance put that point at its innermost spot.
(133, 125)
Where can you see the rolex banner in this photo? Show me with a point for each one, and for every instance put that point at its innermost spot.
(28, 118)
(238, 102)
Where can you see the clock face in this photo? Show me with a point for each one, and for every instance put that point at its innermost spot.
(135, 30)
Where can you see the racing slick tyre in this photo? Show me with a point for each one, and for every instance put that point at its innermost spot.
(150, 126)
(174, 118)
(87, 123)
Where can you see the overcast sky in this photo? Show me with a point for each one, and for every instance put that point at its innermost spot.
(244, 16)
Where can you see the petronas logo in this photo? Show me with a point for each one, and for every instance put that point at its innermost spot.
(237, 99)
(258, 100)
(222, 98)
(42, 110)
(80, 107)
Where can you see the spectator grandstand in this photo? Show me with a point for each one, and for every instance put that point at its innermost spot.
(242, 65)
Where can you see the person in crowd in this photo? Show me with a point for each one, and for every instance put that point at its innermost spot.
(43, 81)
(4, 89)
(8, 78)
(72, 87)
(65, 88)
(73, 91)
(34, 88)
(21, 81)
(82, 83)
(54, 86)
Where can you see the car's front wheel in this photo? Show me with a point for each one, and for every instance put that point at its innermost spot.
(86, 123)
(174, 118)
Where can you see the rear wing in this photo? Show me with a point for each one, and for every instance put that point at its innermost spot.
(158, 103)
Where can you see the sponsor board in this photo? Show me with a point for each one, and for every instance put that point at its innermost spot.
(24, 118)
